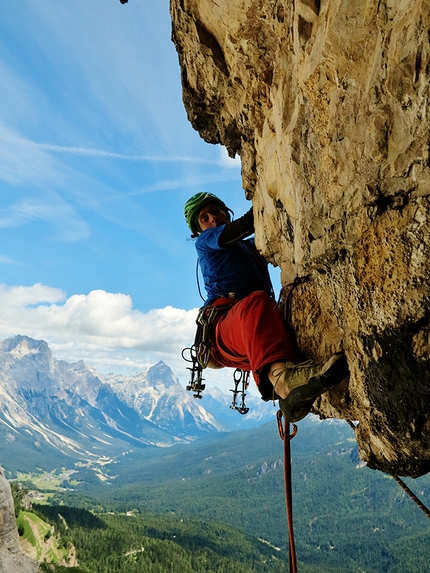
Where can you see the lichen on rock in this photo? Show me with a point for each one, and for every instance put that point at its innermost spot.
(326, 102)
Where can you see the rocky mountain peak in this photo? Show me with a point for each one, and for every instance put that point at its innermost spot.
(28, 363)
(161, 373)
(21, 346)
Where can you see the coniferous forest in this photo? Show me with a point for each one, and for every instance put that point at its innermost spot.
(135, 544)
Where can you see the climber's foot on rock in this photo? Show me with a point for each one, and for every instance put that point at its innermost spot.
(300, 399)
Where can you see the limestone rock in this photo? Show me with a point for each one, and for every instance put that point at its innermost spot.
(327, 104)
(12, 560)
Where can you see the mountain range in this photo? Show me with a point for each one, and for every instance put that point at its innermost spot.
(54, 413)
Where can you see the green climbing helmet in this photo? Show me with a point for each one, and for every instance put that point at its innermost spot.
(194, 205)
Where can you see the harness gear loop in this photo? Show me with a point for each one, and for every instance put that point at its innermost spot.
(285, 435)
(205, 318)
(402, 484)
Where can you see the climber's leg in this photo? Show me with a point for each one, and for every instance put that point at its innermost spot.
(251, 336)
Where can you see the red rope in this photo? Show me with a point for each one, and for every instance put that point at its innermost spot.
(286, 437)
(412, 495)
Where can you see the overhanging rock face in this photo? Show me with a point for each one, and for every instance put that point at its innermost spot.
(327, 104)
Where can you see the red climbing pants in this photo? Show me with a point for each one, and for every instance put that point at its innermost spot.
(252, 335)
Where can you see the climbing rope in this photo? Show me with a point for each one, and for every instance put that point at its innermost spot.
(402, 484)
(285, 435)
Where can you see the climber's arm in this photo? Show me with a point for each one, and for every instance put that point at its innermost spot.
(238, 229)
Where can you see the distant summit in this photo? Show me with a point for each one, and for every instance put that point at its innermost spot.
(19, 346)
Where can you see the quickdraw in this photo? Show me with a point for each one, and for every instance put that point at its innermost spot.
(205, 318)
(240, 377)
(286, 296)
(196, 381)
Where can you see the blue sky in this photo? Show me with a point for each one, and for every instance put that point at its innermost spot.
(97, 159)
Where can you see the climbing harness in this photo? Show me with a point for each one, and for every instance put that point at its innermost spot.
(200, 356)
(284, 433)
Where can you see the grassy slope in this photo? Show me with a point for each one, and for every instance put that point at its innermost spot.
(36, 539)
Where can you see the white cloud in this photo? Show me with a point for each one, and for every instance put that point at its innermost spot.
(104, 330)
(15, 298)
(101, 327)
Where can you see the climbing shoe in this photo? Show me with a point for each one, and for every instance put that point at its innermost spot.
(307, 381)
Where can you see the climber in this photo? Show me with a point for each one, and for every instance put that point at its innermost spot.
(248, 332)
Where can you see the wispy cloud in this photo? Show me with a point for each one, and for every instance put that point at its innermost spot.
(74, 112)
(194, 180)
(7, 260)
(123, 156)
(69, 226)
(108, 70)
(94, 140)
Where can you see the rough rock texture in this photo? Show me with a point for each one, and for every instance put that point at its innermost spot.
(326, 102)
(12, 560)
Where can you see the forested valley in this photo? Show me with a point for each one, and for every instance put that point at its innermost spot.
(220, 507)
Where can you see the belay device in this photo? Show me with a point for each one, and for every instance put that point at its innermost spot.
(199, 356)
